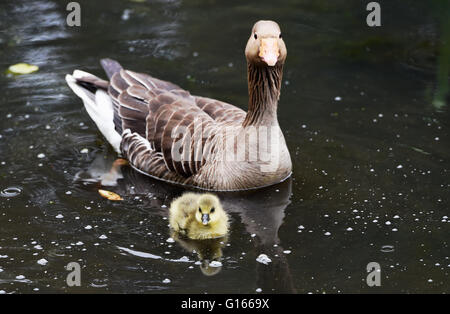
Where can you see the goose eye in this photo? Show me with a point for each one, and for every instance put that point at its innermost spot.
(256, 36)
(213, 210)
(280, 35)
(199, 209)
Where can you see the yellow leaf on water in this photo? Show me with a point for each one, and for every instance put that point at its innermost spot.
(23, 68)
(120, 162)
(110, 195)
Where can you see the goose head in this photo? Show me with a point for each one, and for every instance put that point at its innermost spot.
(209, 210)
(265, 45)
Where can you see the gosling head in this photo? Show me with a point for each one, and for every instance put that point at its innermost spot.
(265, 45)
(209, 210)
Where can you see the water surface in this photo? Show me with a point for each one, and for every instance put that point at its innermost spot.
(362, 111)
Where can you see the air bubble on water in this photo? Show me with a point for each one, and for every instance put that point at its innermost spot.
(263, 259)
(215, 264)
(126, 15)
(10, 191)
(387, 248)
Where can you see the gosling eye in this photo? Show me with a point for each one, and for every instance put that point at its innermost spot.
(199, 209)
(256, 36)
(213, 210)
(279, 36)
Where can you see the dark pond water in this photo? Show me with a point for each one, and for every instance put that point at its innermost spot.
(363, 111)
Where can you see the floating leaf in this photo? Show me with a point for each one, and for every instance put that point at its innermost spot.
(23, 68)
(120, 162)
(110, 195)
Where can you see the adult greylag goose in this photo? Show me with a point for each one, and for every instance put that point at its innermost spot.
(167, 133)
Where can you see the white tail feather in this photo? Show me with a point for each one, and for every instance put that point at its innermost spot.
(99, 108)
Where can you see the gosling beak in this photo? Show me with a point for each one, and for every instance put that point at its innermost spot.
(205, 219)
(269, 51)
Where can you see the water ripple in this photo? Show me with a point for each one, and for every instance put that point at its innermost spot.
(11, 191)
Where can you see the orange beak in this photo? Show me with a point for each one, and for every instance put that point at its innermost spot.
(269, 51)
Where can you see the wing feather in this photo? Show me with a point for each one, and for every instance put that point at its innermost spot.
(167, 130)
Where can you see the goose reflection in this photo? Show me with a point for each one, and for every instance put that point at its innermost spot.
(261, 211)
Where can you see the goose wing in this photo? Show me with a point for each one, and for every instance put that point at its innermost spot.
(220, 111)
(164, 127)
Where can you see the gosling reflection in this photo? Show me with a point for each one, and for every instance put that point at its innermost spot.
(209, 252)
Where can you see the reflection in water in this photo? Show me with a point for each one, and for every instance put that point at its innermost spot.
(99, 171)
(209, 252)
(443, 63)
(261, 211)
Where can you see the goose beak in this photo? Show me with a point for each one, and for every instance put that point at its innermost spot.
(205, 219)
(269, 51)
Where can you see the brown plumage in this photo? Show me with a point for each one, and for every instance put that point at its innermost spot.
(167, 133)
